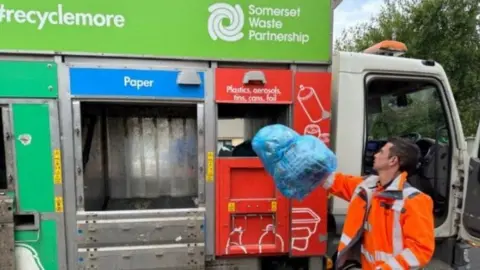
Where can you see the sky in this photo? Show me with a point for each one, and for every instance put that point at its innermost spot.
(351, 12)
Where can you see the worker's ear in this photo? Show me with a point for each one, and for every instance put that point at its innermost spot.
(393, 160)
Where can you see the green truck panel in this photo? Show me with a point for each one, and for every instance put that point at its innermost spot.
(38, 249)
(28, 79)
(31, 125)
(33, 150)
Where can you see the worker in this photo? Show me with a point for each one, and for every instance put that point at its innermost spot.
(389, 224)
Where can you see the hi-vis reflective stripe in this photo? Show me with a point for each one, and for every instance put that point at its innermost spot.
(390, 259)
(407, 254)
(367, 226)
(410, 258)
(367, 255)
(393, 263)
(382, 256)
(379, 255)
(345, 239)
(397, 227)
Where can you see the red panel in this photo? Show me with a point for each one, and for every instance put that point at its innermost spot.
(241, 179)
(311, 115)
(251, 215)
(229, 87)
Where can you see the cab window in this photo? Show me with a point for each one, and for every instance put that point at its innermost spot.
(413, 109)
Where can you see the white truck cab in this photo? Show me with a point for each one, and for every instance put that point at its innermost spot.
(375, 96)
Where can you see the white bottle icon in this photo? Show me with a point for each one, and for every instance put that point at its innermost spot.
(235, 239)
(310, 102)
(270, 229)
(312, 129)
(27, 258)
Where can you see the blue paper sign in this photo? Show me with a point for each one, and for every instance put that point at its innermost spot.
(133, 83)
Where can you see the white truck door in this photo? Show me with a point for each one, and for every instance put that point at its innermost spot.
(470, 218)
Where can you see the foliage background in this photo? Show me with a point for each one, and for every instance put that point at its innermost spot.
(447, 31)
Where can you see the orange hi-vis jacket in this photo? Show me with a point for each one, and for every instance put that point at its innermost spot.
(385, 228)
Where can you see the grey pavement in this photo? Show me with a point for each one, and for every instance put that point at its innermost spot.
(475, 258)
(474, 262)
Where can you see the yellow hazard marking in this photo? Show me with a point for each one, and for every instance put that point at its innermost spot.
(58, 204)
(210, 167)
(57, 167)
(231, 207)
(274, 206)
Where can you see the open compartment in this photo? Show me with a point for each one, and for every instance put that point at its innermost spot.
(139, 145)
(238, 123)
(252, 215)
(139, 156)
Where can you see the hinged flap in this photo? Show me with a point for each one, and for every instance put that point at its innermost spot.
(188, 77)
(254, 76)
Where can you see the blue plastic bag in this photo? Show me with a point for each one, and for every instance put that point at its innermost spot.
(270, 142)
(297, 163)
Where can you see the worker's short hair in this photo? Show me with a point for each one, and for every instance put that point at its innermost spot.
(408, 154)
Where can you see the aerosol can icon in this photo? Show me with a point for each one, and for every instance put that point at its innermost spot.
(311, 104)
(313, 108)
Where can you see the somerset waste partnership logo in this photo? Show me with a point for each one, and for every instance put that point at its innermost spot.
(227, 23)
(220, 12)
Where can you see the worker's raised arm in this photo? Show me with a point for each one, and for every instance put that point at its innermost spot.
(342, 185)
(417, 243)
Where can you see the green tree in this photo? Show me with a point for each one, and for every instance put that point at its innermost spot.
(446, 31)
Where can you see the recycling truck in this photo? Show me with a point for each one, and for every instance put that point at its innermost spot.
(111, 120)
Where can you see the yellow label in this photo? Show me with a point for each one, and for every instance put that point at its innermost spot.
(274, 206)
(210, 167)
(58, 204)
(56, 153)
(57, 167)
(231, 207)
